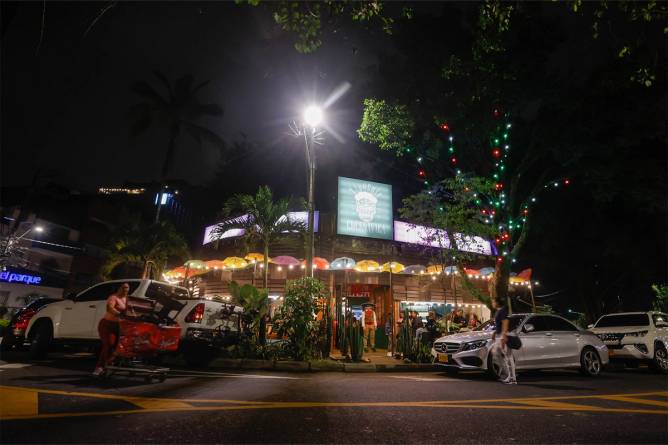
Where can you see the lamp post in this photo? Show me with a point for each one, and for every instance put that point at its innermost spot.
(9, 245)
(312, 118)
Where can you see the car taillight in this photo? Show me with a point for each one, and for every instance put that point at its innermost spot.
(22, 320)
(196, 314)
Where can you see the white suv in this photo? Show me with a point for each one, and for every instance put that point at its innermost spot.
(634, 337)
(75, 319)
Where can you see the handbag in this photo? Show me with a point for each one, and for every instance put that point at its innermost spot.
(514, 341)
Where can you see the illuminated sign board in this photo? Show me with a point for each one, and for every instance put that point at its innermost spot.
(233, 233)
(428, 236)
(12, 277)
(364, 209)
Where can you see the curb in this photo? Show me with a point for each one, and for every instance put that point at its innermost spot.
(316, 366)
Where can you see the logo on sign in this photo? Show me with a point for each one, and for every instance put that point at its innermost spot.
(12, 277)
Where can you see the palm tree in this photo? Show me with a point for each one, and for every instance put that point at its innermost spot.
(134, 243)
(178, 112)
(263, 221)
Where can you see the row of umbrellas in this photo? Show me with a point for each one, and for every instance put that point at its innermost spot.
(197, 267)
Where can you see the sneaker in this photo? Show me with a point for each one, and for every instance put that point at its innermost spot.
(389, 354)
(98, 372)
(509, 382)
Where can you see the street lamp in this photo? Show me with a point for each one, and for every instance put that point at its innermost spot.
(312, 117)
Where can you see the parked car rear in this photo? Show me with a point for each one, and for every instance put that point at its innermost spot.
(15, 335)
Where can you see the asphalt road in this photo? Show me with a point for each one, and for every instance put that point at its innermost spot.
(56, 401)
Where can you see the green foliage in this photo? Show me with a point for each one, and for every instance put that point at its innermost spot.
(134, 242)
(256, 306)
(295, 319)
(265, 224)
(450, 207)
(390, 126)
(306, 20)
(660, 302)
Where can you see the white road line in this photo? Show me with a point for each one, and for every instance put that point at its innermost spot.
(427, 379)
(15, 365)
(179, 373)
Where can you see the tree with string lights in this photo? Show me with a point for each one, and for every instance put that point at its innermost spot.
(491, 196)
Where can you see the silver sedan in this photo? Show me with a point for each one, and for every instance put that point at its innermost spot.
(548, 341)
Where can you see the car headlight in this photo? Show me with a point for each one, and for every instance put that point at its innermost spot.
(637, 334)
(474, 345)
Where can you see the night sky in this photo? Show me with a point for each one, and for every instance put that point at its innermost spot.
(66, 109)
(65, 117)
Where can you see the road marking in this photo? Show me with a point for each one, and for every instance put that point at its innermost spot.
(428, 379)
(182, 373)
(24, 402)
(16, 402)
(150, 403)
(15, 365)
(636, 400)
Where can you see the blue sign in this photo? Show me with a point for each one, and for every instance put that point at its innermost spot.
(12, 277)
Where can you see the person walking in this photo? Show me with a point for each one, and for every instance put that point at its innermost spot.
(108, 327)
(369, 325)
(501, 352)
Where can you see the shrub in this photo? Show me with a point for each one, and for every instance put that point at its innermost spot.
(296, 317)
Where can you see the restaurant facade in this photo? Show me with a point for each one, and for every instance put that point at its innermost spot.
(362, 254)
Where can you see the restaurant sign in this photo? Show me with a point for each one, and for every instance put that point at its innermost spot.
(364, 209)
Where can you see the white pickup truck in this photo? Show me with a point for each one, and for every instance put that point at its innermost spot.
(75, 319)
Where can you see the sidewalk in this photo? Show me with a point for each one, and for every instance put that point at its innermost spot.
(378, 362)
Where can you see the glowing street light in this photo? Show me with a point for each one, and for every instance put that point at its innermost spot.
(313, 116)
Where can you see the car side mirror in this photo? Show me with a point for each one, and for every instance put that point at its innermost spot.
(528, 327)
(589, 326)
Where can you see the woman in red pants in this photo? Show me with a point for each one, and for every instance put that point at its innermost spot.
(108, 328)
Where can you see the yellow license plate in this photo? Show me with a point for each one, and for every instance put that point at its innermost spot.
(442, 358)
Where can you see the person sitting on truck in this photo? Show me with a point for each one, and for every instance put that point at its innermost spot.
(108, 328)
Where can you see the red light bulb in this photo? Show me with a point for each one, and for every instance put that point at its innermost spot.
(496, 153)
(445, 127)
(421, 173)
(453, 160)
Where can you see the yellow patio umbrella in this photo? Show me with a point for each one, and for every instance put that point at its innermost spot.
(436, 268)
(367, 266)
(255, 257)
(234, 262)
(393, 266)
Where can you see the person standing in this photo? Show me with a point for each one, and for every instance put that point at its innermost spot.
(369, 325)
(501, 353)
(108, 327)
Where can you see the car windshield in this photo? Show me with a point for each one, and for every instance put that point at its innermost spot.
(623, 320)
(514, 322)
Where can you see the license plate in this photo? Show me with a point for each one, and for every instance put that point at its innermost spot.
(442, 358)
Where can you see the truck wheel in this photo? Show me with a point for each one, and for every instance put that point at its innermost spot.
(660, 361)
(40, 341)
(590, 362)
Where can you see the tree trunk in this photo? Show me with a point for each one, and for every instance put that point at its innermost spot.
(500, 280)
